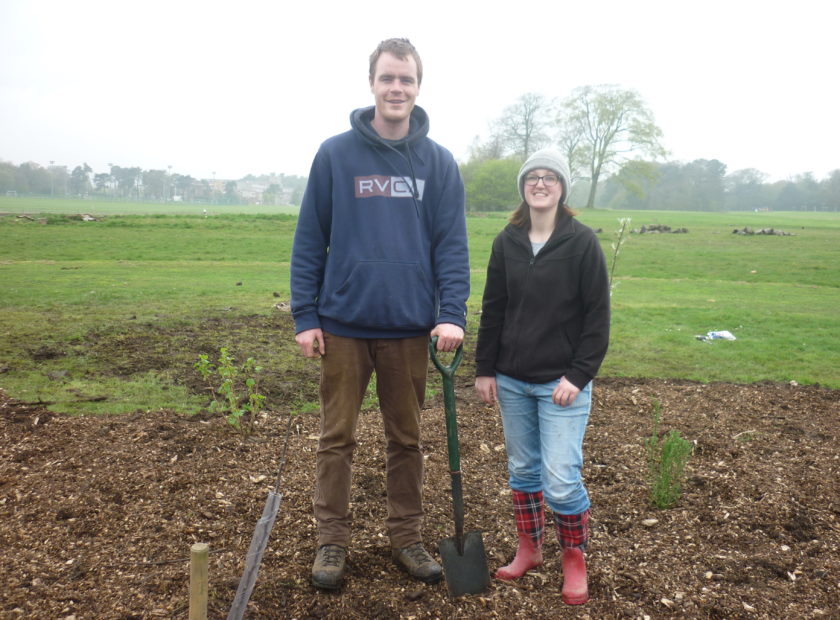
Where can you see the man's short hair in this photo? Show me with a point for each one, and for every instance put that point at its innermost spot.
(402, 49)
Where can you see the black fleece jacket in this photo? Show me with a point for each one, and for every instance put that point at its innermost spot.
(545, 316)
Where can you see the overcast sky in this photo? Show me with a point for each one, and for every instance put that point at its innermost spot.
(243, 87)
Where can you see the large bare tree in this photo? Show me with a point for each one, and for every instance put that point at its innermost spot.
(600, 127)
(523, 126)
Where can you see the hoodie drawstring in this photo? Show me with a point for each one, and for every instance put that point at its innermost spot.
(415, 194)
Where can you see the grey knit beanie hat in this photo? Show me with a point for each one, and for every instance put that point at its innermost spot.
(547, 159)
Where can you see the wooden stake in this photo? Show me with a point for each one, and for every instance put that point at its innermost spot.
(198, 581)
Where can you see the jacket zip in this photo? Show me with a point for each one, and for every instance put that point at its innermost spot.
(519, 323)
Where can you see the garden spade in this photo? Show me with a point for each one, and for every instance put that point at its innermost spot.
(464, 559)
(259, 541)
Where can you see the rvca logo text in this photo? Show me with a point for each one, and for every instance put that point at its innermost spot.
(392, 187)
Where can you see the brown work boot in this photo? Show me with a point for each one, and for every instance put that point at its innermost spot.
(329, 567)
(417, 562)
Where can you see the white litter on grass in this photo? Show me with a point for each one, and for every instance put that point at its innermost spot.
(717, 335)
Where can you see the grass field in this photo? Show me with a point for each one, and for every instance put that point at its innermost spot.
(124, 305)
(34, 206)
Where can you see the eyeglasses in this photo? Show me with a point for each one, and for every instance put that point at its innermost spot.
(549, 180)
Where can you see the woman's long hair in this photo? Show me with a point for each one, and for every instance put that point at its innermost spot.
(521, 217)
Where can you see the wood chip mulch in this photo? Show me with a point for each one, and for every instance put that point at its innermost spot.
(97, 514)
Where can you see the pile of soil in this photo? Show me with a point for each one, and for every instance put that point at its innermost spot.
(97, 514)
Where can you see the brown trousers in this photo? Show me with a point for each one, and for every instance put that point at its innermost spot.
(400, 366)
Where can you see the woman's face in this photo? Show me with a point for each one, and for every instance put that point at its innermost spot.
(541, 195)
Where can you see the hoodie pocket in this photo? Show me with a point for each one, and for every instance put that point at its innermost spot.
(384, 295)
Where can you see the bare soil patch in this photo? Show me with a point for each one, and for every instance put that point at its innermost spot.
(97, 514)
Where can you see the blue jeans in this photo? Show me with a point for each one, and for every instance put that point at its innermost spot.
(544, 442)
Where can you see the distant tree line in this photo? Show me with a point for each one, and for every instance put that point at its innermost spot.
(704, 185)
(614, 149)
(133, 183)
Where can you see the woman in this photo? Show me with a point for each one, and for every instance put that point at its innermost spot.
(543, 335)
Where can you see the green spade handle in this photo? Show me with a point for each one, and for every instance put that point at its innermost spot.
(448, 374)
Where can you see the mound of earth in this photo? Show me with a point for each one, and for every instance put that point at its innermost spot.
(97, 514)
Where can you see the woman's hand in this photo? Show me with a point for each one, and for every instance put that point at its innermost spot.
(486, 388)
(565, 393)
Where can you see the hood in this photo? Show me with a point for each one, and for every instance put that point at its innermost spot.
(418, 128)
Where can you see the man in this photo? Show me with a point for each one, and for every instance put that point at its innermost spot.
(379, 265)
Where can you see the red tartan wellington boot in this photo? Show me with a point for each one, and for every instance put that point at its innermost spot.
(575, 589)
(528, 556)
(530, 525)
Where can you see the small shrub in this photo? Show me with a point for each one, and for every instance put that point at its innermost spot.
(236, 396)
(667, 458)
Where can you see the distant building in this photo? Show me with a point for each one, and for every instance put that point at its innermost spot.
(252, 190)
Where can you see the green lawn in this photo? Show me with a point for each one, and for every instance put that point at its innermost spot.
(124, 305)
(36, 206)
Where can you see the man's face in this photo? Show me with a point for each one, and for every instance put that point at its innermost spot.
(395, 88)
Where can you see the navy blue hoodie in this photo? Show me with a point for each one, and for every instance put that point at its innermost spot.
(380, 249)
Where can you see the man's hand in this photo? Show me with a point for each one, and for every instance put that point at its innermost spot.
(565, 393)
(449, 335)
(311, 342)
(486, 388)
